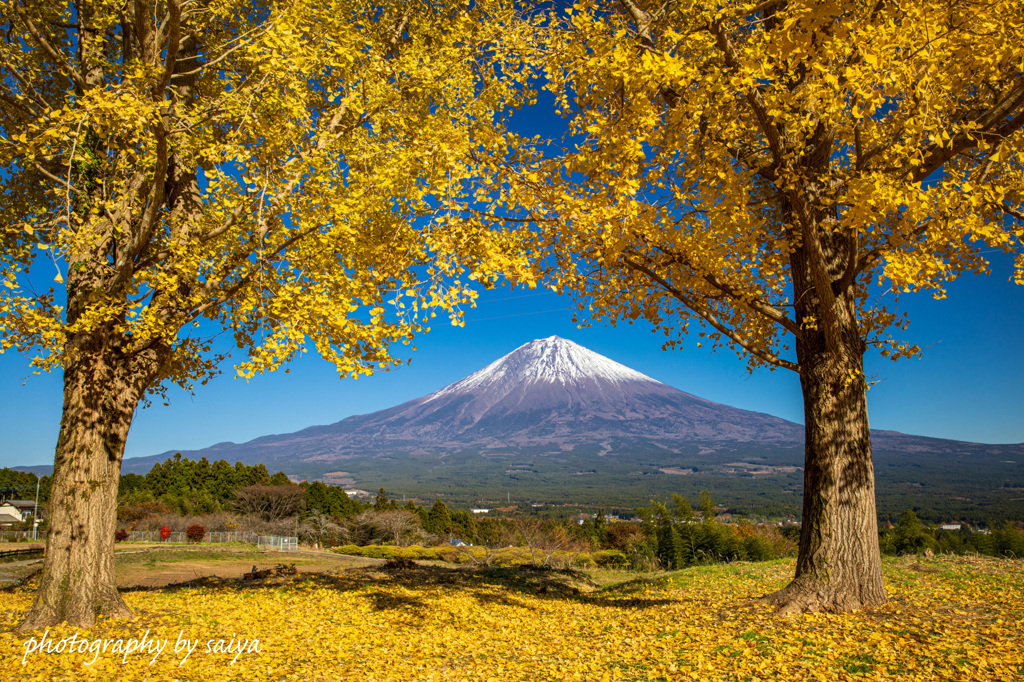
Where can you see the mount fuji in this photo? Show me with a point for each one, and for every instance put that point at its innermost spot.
(555, 392)
(557, 421)
(550, 394)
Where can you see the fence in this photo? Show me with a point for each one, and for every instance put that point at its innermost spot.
(277, 542)
(11, 535)
(282, 544)
(154, 536)
(178, 536)
(242, 536)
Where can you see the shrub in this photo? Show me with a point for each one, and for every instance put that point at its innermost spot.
(195, 532)
(165, 532)
(610, 557)
(120, 535)
(351, 550)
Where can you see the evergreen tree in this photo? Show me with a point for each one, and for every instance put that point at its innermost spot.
(280, 478)
(910, 536)
(439, 519)
(382, 503)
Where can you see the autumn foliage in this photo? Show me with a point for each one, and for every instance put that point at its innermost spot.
(770, 177)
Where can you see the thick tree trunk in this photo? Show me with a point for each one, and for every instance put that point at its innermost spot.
(839, 565)
(100, 398)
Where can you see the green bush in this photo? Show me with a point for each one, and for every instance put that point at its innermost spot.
(352, 550)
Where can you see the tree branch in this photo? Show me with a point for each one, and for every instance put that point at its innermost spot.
(871, 256)
(753, 96)
(173, 45)
(749, 301)
(58, 59)
(711, 319)
(935, 155)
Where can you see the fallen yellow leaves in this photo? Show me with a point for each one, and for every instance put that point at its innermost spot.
(946, 619)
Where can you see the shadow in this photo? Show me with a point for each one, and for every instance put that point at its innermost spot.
(507, 586)
(384, 601)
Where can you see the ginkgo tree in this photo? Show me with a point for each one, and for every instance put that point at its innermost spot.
(775, 174)
(279, 171)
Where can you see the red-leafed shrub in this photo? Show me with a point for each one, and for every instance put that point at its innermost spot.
(195, 532)
(120, 535)
(165, 532)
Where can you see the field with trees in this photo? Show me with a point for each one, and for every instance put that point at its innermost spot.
(763, 177)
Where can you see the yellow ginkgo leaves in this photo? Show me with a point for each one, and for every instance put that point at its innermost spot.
(948, 619)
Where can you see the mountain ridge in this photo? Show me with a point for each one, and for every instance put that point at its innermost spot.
(548, 395)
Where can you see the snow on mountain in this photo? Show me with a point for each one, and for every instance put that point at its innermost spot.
(553, 359)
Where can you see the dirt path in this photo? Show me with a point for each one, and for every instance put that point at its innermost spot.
(159, 567)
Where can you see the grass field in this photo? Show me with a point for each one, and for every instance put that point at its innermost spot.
(947, 619)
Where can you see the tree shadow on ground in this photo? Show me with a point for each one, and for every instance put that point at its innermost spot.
(507, 586)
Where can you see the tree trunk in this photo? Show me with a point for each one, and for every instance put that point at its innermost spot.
(102, 389)
(839, 566)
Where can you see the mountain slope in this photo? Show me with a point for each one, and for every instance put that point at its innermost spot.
(551, 409)
(549, 393)
(553, 390)
(557, 422)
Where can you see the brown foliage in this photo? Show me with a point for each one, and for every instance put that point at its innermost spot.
(270, 502)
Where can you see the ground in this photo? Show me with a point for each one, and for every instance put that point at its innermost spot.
(947, 619)
(153, 565)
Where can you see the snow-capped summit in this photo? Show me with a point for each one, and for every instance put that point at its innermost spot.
(553, 360)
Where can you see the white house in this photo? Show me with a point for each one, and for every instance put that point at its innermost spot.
(9, 514)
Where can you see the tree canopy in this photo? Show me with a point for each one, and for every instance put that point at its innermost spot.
(718, 152)
(777, 173)
(271, 169)
(291, 174)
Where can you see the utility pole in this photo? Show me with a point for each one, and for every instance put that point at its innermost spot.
(35, 514)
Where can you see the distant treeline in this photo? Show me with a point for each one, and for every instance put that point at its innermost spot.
(910, 536)
(194, 488)
(671, 536)
(21, 485)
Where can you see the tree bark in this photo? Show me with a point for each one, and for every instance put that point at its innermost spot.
(839, 566)
(102, 388)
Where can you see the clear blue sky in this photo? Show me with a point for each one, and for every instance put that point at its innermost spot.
(969, 385)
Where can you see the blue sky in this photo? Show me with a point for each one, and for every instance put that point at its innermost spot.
(969, 385)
